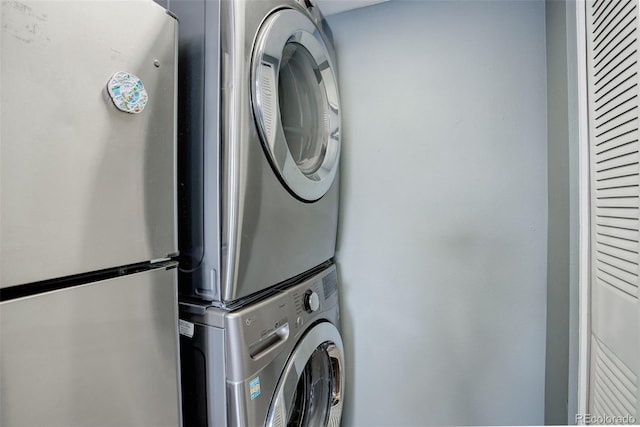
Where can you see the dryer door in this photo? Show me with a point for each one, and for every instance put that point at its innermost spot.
(309, 393)
(296, 104)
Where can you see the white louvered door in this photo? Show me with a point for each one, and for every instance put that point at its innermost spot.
(612, 64)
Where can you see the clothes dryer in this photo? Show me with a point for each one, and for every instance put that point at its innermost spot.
(259, 145)
(276, 362)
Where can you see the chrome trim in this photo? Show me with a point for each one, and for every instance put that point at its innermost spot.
(323, 333)
(232, 225)
(283, 27)
(337, 363)
(176, 39)
(212, 239)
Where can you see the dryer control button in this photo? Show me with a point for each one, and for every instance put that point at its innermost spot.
(311, 301)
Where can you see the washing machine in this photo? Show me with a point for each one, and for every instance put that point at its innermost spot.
(259, 145)
(276, 362)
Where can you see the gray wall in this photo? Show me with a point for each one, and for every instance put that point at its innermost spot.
(574, 209)
(443, 237)
(561, 383)
(557, 357)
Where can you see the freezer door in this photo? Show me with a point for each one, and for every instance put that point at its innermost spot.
(86, 181)
(102, 354)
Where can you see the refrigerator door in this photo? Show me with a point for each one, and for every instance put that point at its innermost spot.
(86, 182)
(102, 354)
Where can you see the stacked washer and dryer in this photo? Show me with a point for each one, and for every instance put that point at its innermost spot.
(259, 147)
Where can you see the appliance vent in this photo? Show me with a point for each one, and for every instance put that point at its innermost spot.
(278, 417)
(269, 101)
(613, 42)
(336, 414)
(615, 386)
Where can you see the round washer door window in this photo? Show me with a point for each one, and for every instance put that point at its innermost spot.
(309, 393)
(296, 104)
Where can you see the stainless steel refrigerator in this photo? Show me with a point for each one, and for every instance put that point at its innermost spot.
(88, 312)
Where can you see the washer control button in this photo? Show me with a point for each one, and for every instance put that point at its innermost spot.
(311, 301)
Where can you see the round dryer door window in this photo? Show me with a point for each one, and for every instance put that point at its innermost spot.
(296, 104)
(309, 392)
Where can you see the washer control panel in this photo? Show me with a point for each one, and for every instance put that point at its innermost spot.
(263, 327)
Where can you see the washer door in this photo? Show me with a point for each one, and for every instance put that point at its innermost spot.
(309, 392)
(296, 104)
